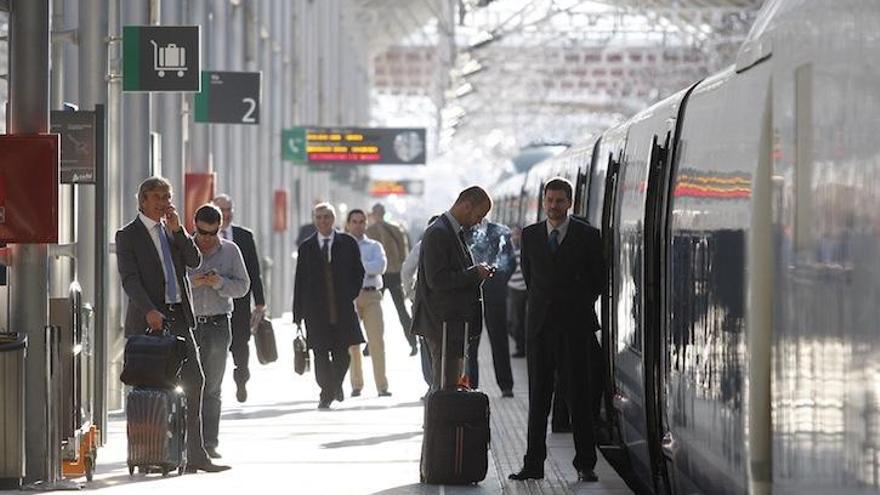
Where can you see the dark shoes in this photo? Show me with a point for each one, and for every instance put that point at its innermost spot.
(240, 392)
(588, 476)
(207, 467)
(212, 452)
(356, 392)
(384, 393)
(507, 393)
(518, 354)
(528, 473)
(366, 350)
(339, 396)
(324, 405)
(413, 350)
(241, 376)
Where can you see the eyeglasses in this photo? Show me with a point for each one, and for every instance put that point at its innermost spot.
(207, 232)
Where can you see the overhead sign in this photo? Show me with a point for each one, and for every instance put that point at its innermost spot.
(29, 189)
(229, 98)
(78, 131)
(161, 58)
(380, 188)
(356, 145)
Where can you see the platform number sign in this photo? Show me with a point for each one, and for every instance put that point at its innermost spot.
(161, 58)
(229, 98)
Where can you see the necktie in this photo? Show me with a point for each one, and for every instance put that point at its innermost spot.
(325, 250)
(554, 241)
(171, 289)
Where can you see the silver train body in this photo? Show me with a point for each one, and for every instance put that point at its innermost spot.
(741, 222)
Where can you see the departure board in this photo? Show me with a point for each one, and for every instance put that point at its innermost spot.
(386, 146)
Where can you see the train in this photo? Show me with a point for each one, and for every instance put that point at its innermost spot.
(740, 219)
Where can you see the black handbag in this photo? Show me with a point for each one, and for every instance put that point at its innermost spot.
(301, 360)
(153, 360)
(264, 340)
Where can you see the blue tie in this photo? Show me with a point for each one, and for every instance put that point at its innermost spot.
(554, 241)
(171, 290)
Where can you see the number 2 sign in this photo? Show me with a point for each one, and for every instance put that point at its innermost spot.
(229, 98)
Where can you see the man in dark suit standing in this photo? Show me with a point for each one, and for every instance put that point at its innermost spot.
(153, 253)
(241, 315)
(564, 272)
(329, 276)
(448, 283)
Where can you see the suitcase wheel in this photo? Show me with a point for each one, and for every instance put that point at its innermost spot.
(164, 471)
(180, 470)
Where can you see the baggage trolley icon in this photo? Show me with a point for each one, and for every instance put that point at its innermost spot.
(169, 58)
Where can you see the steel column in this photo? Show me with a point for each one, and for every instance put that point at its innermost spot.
(169, 116)
(200, 160)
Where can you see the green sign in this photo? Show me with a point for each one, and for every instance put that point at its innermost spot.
(160, 58)
(293, 145)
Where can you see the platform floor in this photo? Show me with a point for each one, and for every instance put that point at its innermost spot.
(278, 442)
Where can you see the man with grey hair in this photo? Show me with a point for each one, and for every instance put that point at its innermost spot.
(153, 252)
(329, 276)
(241, 316)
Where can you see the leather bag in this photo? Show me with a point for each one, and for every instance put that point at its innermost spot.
(264, 340)
(301, 360)
(153, 360)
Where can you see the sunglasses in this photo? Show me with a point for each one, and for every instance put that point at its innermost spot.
(207, 232)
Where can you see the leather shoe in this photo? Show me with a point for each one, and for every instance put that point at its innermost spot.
(356, 392)
(240, 392)
(212, 452)
(324, 404)
(588, 476)
(527, 473)
(367, 350)
(340, 396)
(207, 467)
(414, 350)
(384, 393)
(507, 393)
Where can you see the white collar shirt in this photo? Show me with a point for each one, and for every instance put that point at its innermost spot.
(563, 228)
(150, 224)
(226, 233)
(331, 238)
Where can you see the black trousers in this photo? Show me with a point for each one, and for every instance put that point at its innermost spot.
(495, 314)
(516, 315)
(241, 336)
(392, 283)
(193, 378)
(454, 353)
(331, 365)
(546, 353)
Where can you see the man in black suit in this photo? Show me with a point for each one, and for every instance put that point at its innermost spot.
(241, 315)
(152, 254)
(448, 283)
(564, 273)
(329, 276)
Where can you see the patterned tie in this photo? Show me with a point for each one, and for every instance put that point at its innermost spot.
(325, 250)
(171, 289)
(554, 241)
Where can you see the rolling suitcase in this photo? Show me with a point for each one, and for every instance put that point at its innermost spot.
(456, 442)
(156, 430)
(264, 341)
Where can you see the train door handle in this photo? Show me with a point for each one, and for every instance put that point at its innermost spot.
(669, 445)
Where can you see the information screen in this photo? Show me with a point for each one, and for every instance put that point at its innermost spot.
(386, 146)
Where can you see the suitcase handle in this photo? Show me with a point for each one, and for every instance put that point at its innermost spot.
(444, 360)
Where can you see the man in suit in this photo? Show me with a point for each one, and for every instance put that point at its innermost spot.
(241, 316)
(564, 273)
(329, 276)
(448, 284)
(395, 242)
(153, 253)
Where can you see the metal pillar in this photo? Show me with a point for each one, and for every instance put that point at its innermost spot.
(251, 214)
(169, 119)
(264, 165)
(28, 277)
(136, 121)
(236, 163)
(216, 60)
(91, 246)
(199, 134)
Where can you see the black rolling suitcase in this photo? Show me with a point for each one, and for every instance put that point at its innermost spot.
(264, 341)
(456, 442)
(156, 430)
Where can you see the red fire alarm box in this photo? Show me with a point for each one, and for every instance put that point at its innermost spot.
(280, 217)
(198, 190)
(29, 189)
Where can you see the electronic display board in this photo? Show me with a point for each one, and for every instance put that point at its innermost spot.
(354, 146)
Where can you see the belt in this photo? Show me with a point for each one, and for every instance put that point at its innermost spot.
(369, 288)
(211, 318)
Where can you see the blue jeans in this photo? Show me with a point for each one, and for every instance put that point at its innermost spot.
(213, 338)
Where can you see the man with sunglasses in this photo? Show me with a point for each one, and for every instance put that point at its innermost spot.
(220, 278)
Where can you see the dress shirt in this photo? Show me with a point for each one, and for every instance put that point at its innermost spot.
(226, 261)
(409, 271)
(150, 224)
(321, 238)
(374, 260)
(563, 228)
(226, 233)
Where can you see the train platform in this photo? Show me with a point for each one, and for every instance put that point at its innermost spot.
(278, 442)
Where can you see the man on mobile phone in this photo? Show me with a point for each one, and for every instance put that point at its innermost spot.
(152, 254)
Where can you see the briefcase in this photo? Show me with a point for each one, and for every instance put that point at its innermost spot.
(455, 447)
(301, 361)
(264, 340)
(153, 360)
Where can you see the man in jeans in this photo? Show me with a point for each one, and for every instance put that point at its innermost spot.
(220, 278)
(396, 244)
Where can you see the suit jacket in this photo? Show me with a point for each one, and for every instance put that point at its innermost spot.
(395, 242)
(143, 278)
(448, 284)
(244, 239)
(310, 292)
(563, 288)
